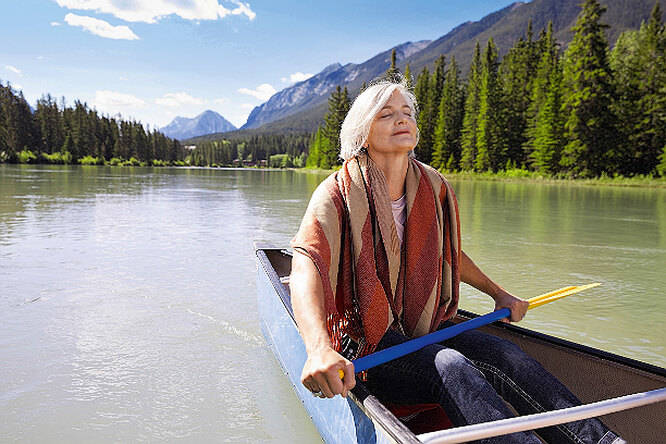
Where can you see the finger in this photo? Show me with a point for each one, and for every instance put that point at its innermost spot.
(517, 313)
(321, 381)
(334, 381)
(350, 378)
(508, 318)
(310, 383)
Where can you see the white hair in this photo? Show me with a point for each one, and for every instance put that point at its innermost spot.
(356, 127)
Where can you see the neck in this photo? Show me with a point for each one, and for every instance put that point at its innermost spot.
(394, 167)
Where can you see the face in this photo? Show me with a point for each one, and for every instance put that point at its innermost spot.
(393, 130)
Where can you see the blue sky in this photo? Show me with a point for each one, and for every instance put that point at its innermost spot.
(153, 60)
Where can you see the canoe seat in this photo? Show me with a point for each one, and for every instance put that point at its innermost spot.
(421, 418)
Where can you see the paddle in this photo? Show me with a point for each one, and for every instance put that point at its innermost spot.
(388, 354)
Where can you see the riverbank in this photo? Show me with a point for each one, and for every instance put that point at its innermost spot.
(528, 176)
(518, 175)
(514, 175)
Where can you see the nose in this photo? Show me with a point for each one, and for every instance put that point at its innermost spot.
(402, 118)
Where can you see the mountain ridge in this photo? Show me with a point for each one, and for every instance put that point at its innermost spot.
(505, 26)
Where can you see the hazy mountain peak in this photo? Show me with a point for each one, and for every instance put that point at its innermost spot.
(208, 122)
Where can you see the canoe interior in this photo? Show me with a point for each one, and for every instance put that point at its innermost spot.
(591, 374)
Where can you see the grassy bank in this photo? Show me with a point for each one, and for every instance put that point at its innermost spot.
(519, 175)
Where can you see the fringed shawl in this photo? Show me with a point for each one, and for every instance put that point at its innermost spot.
(372, 283)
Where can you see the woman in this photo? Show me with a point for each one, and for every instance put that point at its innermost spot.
(378, 261)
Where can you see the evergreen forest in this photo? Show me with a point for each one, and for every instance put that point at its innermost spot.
(60, 134)
(586, 111)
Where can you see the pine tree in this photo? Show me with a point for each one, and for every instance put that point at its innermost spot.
(338, 106)
(430, 107)
(314, 156)
(516, 78)
(20, 132)
(421, 93)
(469, 131)
(49, 120)
(549, 56)
(638, 61)
(590, 124)
(392, 73)
(491, 147)
(408, 77)
(548, 128)
(4, 152)
(446, 141)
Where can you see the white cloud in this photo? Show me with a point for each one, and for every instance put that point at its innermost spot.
(247, 106)
(123, 78)
(296, 77)
(262, 92)
(100, 27)
(55, 24)
(15, 70)
(178, 99)
(150, 11)
(111, 101)
(244, 8)
(221, 101)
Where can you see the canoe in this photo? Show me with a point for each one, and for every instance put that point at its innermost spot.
(592, 374)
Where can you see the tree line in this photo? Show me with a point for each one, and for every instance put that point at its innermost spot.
(57, 133)
(273, 150)
(582, 112)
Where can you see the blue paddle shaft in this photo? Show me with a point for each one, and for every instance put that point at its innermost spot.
(388, 354)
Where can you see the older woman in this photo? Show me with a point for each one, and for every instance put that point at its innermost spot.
(378, 261)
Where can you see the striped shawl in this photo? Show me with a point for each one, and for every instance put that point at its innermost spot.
(372, 283)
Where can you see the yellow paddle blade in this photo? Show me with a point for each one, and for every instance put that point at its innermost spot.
(557, 294)
(552, 293)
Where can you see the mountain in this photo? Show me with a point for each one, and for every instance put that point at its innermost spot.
(300, 107)
(315, 90)
(207, 122)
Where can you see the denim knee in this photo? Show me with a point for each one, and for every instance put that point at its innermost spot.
(452, 366)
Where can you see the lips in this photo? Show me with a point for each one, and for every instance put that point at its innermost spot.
(405, 131)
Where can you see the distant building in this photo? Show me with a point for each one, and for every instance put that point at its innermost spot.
(190, 147)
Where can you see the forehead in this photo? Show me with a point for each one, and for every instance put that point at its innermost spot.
(397, 100)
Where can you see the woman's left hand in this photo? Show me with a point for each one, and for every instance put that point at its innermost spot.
(517, 306)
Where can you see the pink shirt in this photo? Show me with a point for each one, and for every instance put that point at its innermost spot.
(400, 214)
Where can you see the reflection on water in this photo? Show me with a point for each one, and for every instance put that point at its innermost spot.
(535, 238)
(128, 306)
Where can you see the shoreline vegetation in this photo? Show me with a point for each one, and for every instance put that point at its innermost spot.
(588, 114)
(512, 175)
(519, 175)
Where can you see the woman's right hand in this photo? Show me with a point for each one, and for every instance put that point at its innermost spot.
(321, 372)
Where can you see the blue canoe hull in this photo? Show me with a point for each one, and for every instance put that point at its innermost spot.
(338, 420)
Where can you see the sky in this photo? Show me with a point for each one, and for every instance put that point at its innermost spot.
(153, 60)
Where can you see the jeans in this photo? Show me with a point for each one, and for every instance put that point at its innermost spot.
(468, 373)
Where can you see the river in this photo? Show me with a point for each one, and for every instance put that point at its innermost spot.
(127, 296)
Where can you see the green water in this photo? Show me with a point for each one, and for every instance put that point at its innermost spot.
(127, 297)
